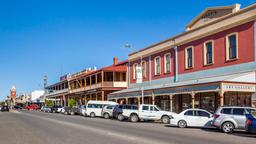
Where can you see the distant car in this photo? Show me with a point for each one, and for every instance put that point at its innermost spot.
(82, 110)
(107, 111)
(94, 108)
(251, 122)
(192, 118)
(32, 107)
(120, 111)
(5, 109)
(55, 109)
(17, 107)
(230, 118)
(46, 109)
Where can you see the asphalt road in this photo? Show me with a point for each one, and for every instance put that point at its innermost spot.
(33, 127)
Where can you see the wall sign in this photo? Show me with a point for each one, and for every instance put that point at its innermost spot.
(238, 87)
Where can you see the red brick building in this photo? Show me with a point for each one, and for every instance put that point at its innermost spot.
(209, 65)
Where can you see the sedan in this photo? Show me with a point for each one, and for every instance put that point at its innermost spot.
(192, 118)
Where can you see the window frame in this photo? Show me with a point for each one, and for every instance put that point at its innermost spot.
(134, 71)
(205, 52)
(165, 62)
(186, 57)
(228, 45)
(144, 73)
(156, 65)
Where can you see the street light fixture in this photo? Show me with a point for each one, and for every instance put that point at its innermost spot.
(139, 75)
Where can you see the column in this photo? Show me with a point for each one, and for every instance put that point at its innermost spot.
(126, 100)
(171, 103)
(221, 97)
(102, 96)
(153, 98)
(193, 99)
(96, 96)
(138, 100)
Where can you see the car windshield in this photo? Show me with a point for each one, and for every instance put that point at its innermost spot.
(158, 108)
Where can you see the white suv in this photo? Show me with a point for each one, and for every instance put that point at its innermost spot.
(229, 118)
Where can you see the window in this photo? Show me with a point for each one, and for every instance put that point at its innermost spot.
(208, 52)
(157, 65)
(145, 108)
(144, 68)
(238, 111)
(167, 63)
(226, 111)
(189, 113)
(232, 46)
(135, 71)
(203, 114)
(189, 57)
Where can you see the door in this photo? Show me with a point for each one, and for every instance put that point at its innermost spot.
(239, 117)
(204, 119)
(145, 112)
(191, 118)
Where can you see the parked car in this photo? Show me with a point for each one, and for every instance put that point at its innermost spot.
(107, 111)
(121, 112)
(251, 122)
(17, 107)
(5, 109)
(230, 118)
(32, 107)
(94, 108)
(56, 109)
(192, 118)
(149, 112)
(82, 110)
(45, 109)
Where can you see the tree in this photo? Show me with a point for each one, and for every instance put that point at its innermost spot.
(2, 103)
(49, 103)
(72, 102)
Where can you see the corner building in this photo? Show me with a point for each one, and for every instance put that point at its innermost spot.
(211, 64)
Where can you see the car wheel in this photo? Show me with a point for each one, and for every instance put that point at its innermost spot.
(134, 118)
(165, 119)
(72, 113)
(182, 124)
(120, 117)
(106, 116)
(228, 127)
(92, 115)
(65, 113)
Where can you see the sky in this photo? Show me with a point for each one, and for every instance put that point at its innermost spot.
(56, 37)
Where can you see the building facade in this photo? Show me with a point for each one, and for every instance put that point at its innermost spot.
(211, 64)
(90, 84)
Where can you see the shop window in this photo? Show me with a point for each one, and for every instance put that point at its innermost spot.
(208, 53)
(157, 65)
(232, 46)
(189, 57)
(135, 70)
(167, 63)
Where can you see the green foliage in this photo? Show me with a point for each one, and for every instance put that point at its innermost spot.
(72, 102)
(2, 103)
(49, 103)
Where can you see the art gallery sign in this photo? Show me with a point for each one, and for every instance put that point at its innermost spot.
(238, 87)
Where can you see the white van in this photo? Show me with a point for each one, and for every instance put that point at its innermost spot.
(94, 108)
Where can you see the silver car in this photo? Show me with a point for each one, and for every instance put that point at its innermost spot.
(107, 111)
(229, 118)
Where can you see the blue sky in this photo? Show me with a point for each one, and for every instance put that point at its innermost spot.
(54, 37)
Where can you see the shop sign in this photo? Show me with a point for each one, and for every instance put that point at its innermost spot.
(234, 87)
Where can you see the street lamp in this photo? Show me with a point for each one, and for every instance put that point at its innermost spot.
(139, 73)
(45, 78)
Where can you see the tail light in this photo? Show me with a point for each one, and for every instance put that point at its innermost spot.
(249, 122)
(216, 116)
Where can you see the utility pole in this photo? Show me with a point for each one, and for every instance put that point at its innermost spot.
(45, 78)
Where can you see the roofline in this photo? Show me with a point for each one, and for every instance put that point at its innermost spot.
(186, 32)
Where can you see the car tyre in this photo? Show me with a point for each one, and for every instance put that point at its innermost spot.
(92, 114)
(106, 116)
(182, 124)
(228, 127)
(72, 113)
(165, 119)
(120, 117)
(134, 118)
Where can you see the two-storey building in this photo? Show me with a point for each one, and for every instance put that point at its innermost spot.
(211, 64)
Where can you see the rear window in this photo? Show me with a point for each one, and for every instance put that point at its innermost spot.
(249, 111)
(238, 111)
(203, 114)
(226, 110)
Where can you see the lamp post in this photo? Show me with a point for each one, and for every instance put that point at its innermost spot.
(139, 76)
(45, 78)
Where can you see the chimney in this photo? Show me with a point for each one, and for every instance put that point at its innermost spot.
(115, 60)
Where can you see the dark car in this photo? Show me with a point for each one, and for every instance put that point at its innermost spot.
(5, 109)
(54, 109)
(119, 109)
(17, 107)
(71, 110)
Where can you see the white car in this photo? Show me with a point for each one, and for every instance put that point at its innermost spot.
(192, 118)
(94, 108)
